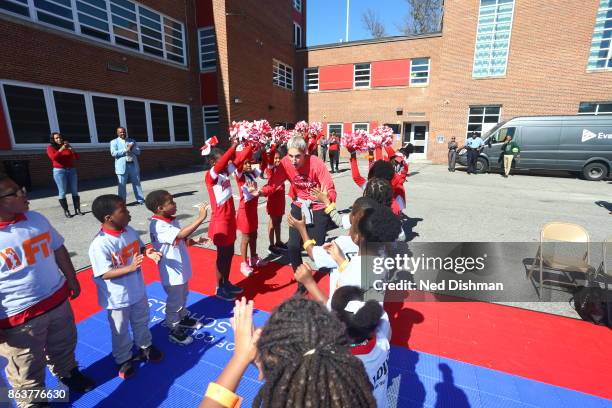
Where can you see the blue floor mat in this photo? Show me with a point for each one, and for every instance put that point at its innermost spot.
(180, 380)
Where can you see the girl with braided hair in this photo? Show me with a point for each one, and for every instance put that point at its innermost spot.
(303, 355)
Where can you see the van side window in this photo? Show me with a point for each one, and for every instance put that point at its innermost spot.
(501, 135)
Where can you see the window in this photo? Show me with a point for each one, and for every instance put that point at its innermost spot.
(297, 4)
(282, 75)
(82, 117)
(419, 71)
(211, 120)
(208, 48)
(334, 127)
(180, 120)
(500, 136)
(297, 35)
(362, 126)
(362, 75)
(493, 38)
(27, 113)
(600, 56)
(136, 120)
(311, 79)
(72, 116)
(482, 118)
(120, 22)
(106, 113)
(396, 128)
(595, 108)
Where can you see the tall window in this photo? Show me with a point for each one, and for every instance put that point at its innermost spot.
(482, 118)
(600, 56)
(362, 75)
(208, 48)
(136, 120)
(297, 4)
(311, 79)
(493, 38)
(297, 35)
(72, 116)
(335, 128)
(211, 120)
(595, 108)
(363, 126)
(119, 22)
(28, 115)
(419, 71)
(282, 75)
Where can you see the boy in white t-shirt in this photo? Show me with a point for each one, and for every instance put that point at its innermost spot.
(369, 332)
(116, 256)
(171, 241)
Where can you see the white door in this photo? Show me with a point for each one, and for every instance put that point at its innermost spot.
(419, 134)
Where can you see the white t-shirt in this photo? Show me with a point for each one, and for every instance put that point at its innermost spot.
(112, 250)
(376, 360)
(28, 270)
(174, 265)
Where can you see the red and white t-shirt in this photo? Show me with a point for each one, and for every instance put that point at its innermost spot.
(174, 265)
(220, 192)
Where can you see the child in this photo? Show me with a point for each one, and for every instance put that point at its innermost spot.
(303, 356)
(116, 256)
(275, 207)
(222, 227)
(369, 332)
(170, 240)
(247, 219)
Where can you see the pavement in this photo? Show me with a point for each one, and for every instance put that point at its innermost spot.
(441, 206)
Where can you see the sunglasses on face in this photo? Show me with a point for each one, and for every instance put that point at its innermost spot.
(17, 193)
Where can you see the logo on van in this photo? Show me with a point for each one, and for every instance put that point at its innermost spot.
(587, 135)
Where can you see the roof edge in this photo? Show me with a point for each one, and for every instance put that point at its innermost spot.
(371, 41)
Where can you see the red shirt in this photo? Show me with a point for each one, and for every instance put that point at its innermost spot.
(61, 160)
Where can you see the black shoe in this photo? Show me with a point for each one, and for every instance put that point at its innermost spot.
(273, 249)
(127, 369)
(189, 323)
(180, 336)
(77, 382)
(233, 289)
(76, 201)
(224, 294)
(151, 354)
(64, 205)
(282, 247)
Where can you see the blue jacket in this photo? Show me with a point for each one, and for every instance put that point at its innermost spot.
(118, 149)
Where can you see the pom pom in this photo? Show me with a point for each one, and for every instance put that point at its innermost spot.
(356, 141)
(381, 136)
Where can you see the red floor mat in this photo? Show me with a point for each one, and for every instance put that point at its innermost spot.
(552, 349)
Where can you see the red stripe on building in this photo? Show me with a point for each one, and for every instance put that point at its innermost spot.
(347, 127)
(5, 139)
(209, 91)
(336, 77)
(373, 125)
(390, 73)
(204, 13)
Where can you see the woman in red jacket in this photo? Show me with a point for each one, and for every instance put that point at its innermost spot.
(64, 173)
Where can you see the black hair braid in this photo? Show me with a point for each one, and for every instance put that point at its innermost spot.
(329, 377)
(380, 190)
(381, 169)
(379, 225)
(360, 325)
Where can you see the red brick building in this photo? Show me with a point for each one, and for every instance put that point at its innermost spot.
(176, 72)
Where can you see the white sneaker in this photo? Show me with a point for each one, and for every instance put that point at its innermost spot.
(245, 269)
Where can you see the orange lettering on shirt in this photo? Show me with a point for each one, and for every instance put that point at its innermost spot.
(10, 257)
(39, 243)
(122, 257)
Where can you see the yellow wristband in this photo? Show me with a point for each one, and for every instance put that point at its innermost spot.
(329, 208)
(309, 243)
(222, 395)
(343, 265)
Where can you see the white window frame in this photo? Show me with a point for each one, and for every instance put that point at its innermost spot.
(311, 75)
(597, 39)
(361, 123)
(355, 80)
(297, 35)
(211, 120)
(426, 83)
(54, 125)
(77, 29)
(282, 74)
(297, 5)
(597, 104)
(202, 55)
(329, 125)
(467, 131)
(480, 26)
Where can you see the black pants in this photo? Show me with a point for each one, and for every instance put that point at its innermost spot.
(334, 159)
(472, 156)
(316, 231)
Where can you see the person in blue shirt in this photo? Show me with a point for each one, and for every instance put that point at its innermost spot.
(474, 146)
(125, 151)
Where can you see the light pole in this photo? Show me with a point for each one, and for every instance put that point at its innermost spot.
(348, 2)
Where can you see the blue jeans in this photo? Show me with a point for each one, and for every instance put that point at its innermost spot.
(131, 175)
(66, 180)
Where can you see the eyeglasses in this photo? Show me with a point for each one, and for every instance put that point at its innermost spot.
(17, 193)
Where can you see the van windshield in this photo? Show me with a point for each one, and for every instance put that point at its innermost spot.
(493, 130)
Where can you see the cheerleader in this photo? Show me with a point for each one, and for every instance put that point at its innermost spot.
(275, 206)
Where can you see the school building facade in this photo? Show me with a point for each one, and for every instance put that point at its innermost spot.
(176, 72)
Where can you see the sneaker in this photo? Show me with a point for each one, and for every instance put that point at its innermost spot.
(151, 354)
(77, 382)
(180, 336)
(257, 262)
(282, 247)
(231, 288)
(245, 269)
(225, 294)
(273, 249)
(189, 323)
(127, 369)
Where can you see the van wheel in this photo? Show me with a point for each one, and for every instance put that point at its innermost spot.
(482, 165)
(595, 171)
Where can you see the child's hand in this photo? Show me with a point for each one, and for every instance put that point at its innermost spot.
(136, 262)
(299, 225)
(203, 211)
(152, 254)
(245, 335)
(335, 252)
(252, 188)
(303, 273)
(321, 195)
(201, 241)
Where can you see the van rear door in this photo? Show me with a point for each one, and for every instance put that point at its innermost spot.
(539, 143)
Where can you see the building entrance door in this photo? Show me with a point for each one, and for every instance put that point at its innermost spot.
(417, 134)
